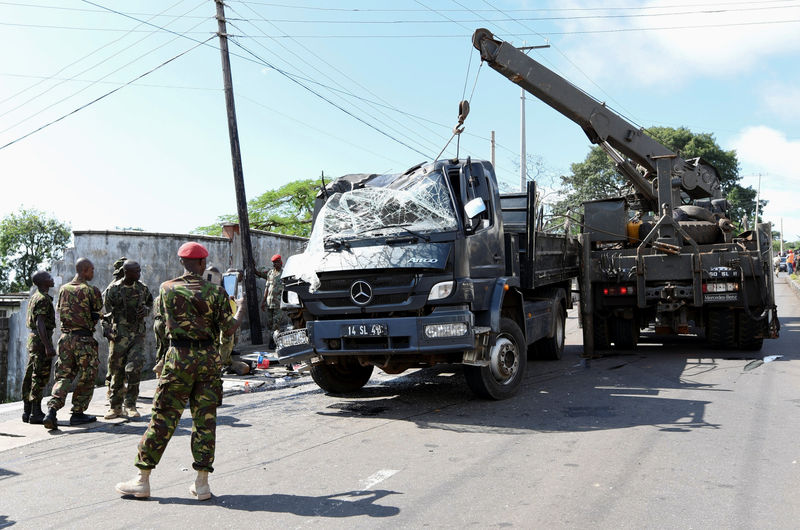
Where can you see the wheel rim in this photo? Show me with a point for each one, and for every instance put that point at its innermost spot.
(504, 360)
(559, 333)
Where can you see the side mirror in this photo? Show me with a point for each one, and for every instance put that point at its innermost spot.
(474, 208)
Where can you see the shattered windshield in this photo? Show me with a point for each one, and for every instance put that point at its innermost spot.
(389, 204)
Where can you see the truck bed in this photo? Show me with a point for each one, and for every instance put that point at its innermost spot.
(554, 257)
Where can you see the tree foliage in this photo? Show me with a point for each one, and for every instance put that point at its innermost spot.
(743, 206)
(596, 177)
(286, 210)
(29, 240)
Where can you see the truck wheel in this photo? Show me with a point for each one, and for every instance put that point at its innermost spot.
(624, 333)
(601, 341)
(748, 330)
(551, 348)
(346, 376)
(721, 329)
(508, 359)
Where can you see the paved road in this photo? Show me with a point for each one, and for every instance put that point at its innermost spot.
(674, 436)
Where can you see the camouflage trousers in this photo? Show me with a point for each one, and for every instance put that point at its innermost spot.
(77, 357)
(168, 403)
(37, 373)
(125, 363)
(275, 319)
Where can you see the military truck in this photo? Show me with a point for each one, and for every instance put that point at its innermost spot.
(665, 257)
(429, 266)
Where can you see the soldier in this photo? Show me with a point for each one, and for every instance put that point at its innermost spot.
(194, 312)
(127, 302)
(117, 274)
(271, 301)
(79, 306)
(41, 320)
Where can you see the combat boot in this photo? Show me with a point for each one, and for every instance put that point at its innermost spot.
(200, 488)
(79, 418)
(113, 413)
(26, 411)
(132, 412)
(50, 421)
(37, 416)
(138, 486)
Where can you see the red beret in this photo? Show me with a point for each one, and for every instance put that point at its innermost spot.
(192, 250)
(276, 257)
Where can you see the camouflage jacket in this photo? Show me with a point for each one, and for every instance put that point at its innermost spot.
(127, 306)
(79, 306)
(41, 304)
(274, 289)
(194, 309)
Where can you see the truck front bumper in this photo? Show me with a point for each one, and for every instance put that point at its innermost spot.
(443, 331)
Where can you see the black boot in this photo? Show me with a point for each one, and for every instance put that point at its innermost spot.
(50, 421)
(79, 418)
(37, 416)
(26, 411)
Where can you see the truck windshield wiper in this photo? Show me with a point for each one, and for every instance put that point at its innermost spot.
(427, 239)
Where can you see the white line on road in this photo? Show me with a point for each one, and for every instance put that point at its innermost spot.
(376, 478)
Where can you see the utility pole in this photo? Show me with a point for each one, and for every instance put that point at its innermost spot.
(523, 166)
(238, 178)
(495, 168)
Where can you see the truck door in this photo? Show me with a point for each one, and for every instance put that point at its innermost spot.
(484, 232)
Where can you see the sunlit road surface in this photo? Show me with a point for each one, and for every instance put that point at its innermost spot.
(667, 436)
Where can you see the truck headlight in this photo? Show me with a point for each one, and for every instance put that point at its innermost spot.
(292, 298)
(452, 329)
(294, 337)
(441, 290)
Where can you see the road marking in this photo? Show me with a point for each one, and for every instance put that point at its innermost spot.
(377, 478)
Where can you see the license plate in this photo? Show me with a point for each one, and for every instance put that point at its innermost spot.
(365, 330)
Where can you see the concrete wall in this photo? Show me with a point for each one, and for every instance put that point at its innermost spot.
(156, 253)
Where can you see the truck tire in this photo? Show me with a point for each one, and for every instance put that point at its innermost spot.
(344, 377)
(721, 329)
(748, 330)
(703, 232)
(601, 340)
(551, 348)
(508, 359)
(624, 333)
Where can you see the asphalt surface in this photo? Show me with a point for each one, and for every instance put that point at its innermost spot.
(667, 436)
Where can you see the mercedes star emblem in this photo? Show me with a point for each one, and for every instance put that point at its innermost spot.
(361, 292)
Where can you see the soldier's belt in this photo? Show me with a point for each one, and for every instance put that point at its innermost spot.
(78, 332)
(186, 343)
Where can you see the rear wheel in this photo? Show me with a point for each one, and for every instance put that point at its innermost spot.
(703, 232)
(751, 337)
(346, 376)
(551, 348)
(508, 359)
(721, 329)
(624, 333)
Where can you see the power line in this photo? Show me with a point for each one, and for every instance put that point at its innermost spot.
(520, 10)
(12, 142)
(539, 33)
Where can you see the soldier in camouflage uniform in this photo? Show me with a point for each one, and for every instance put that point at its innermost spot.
(41, 320)
(127, 302)
(160, 332)
(79, 307)
(271, 301)
(117, 274)
(194, 312)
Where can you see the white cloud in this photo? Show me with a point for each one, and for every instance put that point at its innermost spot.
(678, 55)
(782, 99)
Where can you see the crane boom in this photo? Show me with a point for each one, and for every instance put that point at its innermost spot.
(698, 179)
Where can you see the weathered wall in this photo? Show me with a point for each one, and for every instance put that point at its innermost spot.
(156, 253)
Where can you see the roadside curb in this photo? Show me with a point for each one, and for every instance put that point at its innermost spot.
(794, 285)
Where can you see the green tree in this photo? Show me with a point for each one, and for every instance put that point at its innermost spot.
(743, 204)
(286, 210)
(596, 177)
(29, 240)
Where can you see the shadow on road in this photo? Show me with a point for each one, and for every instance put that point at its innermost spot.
(348, 504)
(644, 387)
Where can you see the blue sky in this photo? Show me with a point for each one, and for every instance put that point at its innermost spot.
(155, 154)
